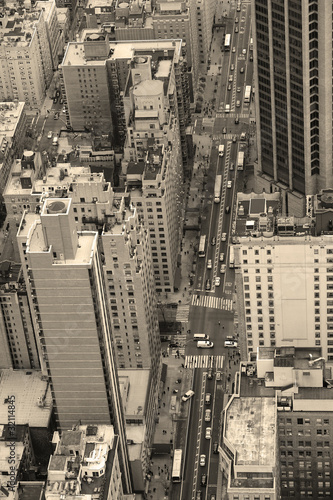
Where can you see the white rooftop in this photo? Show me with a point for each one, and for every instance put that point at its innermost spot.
(29, 390)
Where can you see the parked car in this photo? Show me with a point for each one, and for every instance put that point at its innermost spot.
(188, 395)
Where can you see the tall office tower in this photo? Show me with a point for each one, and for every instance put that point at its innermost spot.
(52, 29)
(286, 274)
(277, 427)
(205, 12)
(64, 276)
(293, 88)
(96, 80)
(153, 166)
(18, 342)
(173, 20)
(13, 127)
(25, 56)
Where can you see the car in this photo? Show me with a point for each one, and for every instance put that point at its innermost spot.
(49, 135)
(215, 447)
(217, 281)
(224, 237)
(244, 52)
(227, 209)
(232, 67)
(218, 376)
(236, 29)
(173, 344)
(208, 433)
(224, 130)
(61, 101)
(210, 374)
(234, 138)
(209, 264)
(198, 495)
(230, 343)
(203, 479)
(238, 103)
(239, 89)
(237, 120)
(188, 395)
(233, 49)
(236, 20)
(221, 257)
(229, 184)
(229, 86)
(56, 116)
(232, 166)
(213, 241)
(241, 70)
(243, 136)
(202, 460)
(208, 398)
(208, 415)
(208, 285)
(231, 78)
(57, 94)
(64, 110)
(223, 269)
(213, 497)
(251, 58)
(55, 100)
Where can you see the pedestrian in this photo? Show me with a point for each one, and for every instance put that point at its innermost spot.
(163, 405)
(168, 388)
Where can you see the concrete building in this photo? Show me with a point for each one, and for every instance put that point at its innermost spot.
(18, 342)
(13, 127)
(25, 56)
(85, 465)
(293, 82)
(97, 75)
(53, 29)
(65, 285)
(203, 29)
(286, 271)
(292, 386)
(139, 410)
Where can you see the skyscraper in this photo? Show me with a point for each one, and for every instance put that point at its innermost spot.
(64, 276)
(293, 89)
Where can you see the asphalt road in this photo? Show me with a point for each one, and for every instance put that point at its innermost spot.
(216, 322)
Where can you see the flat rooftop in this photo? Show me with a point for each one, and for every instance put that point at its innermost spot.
(138, 388)
(28, 388)
(10, 114)
(19, 28)
(4, 455)
(250, 428)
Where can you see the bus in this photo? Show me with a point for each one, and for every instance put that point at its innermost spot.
(247, 95)
(177, 466)
(231, 258)
(217, 189)
(202, 246)
(227, 42)
(240, 160)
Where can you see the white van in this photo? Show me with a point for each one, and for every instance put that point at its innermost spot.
(200, 336)
(203, 344)
(221, 150)
(227, 108)
(55, 140)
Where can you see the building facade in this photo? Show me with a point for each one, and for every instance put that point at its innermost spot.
(293, 81)
(63, 272)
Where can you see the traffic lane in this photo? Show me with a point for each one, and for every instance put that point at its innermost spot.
(217, 324)
(191, 451)
(214, 458)
(205, 444)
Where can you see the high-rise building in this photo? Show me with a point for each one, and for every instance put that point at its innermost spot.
(293, 89)
(52, 29)
(97, 75)
(64, 276)
(85, 464)
(13, 128)
(277, 427)
(285, 283)
(25, 56)
(203, 29)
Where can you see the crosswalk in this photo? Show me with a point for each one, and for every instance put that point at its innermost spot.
(212, 302)
(182, 313)
(196, 361)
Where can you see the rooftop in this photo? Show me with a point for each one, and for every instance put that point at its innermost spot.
(32, 396)
(250, 429)
(135, 400)
(10, 113)
(19, 27)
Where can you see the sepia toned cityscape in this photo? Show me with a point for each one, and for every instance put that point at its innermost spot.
(166, 249)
